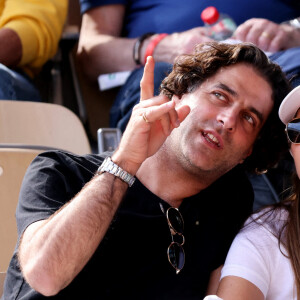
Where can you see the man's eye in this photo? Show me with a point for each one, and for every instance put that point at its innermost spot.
(249, 119)
(219, 96)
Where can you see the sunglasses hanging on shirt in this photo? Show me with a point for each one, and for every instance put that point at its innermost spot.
(175, 252)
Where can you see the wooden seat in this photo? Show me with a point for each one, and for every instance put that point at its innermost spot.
(42, 125)
(13, 165)
(2, 278)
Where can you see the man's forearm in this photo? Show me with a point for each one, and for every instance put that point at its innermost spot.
(11, 47)
(105, 54)
(54, 251)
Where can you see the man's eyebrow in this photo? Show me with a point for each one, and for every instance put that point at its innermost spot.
(235, 94)
(227, 89)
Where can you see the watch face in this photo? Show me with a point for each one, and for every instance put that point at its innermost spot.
(295, 23)
(104, 165)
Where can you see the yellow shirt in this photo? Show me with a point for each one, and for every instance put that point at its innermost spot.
(39, 24)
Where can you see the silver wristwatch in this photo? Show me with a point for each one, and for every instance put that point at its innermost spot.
(110, 167)
(294, 23)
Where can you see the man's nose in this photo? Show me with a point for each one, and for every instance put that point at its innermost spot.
(228, 118)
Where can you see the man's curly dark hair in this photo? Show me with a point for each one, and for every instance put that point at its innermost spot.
(189, 71)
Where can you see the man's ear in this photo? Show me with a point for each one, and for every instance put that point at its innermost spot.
(181, 107)
(248, 154)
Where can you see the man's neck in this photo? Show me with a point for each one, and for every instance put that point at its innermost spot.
(169, 180)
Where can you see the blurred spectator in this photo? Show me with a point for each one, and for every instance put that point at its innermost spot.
(112, 29)
(29, 35)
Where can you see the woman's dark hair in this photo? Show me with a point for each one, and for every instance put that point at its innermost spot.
(292, 236)
(189, 71)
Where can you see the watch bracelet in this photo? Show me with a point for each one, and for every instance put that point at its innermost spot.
(294, 23)
(110, 167)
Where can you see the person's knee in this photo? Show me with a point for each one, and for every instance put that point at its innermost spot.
(16, 86)
(7, 91)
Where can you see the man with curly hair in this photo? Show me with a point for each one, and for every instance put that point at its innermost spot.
(154, 219)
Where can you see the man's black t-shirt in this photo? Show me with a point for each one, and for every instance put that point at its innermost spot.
(131, 262)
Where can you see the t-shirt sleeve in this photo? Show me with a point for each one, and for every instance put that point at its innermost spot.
(85, 5)
(250, 256)
(52, 179)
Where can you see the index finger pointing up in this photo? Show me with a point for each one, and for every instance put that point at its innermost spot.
(147, 82)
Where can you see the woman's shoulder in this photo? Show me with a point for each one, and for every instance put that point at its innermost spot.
(270, 214)
(270, 219)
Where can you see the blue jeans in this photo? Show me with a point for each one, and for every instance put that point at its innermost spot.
(16, 86)
(289, 60)
(129, 95)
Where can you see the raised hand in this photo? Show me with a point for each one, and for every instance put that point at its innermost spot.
(151, 122)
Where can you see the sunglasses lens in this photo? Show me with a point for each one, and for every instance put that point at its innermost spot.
(175, 219)
(176, 256)
(293, 131)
